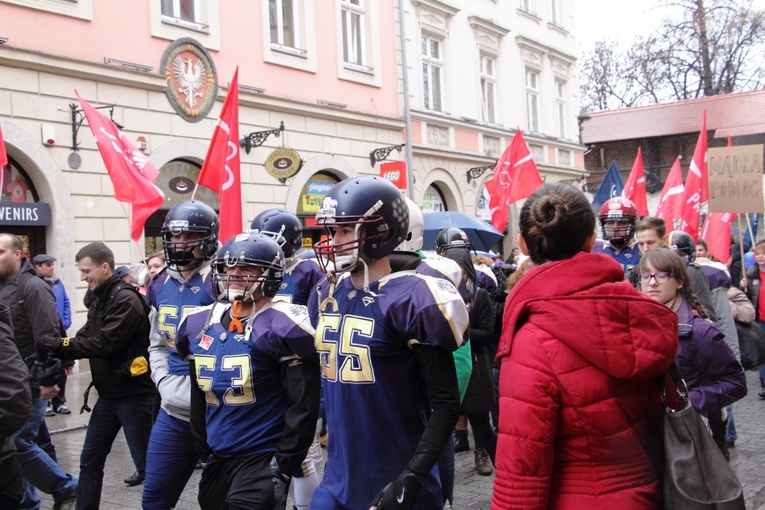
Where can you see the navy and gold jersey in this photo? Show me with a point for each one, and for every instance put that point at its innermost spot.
(241, 375)
(300, 278)
(628, 258)
(173, 300)
(371, 379)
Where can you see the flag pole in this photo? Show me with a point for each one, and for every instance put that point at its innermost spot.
(741, 239)
(130, 226)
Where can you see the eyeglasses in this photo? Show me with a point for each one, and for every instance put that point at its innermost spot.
(660, 277)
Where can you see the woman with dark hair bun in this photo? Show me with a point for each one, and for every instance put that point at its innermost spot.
(580, 352)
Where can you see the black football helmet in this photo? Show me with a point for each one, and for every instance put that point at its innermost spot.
(193, 217)
(683, 243)
(251, 249)
(375, 208)
(283, 226)
(452, 237)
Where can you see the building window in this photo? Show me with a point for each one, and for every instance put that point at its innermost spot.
(354, 51)
(431, 73)
(560, 104)
(284, 23)
(555, 14)
(186, 13)
(527, 6)
(532, 99)
(487, 88)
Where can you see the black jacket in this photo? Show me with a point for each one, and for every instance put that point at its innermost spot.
(15, 397)
(116, 333)
(753, 288)
(36, 323)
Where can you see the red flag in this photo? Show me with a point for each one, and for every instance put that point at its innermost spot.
(671, 200)
(221, 169)
(515, 177)
(131, 172)
(3, 154)
(696, 185)
(716, 232)
(635, 187)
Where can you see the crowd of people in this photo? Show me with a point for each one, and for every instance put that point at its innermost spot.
(237, 356)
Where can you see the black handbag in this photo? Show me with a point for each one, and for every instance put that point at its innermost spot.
(696, 475)
(479, 395)
(751, 343)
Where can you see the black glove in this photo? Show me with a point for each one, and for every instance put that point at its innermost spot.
(400, 494)
(281, 485)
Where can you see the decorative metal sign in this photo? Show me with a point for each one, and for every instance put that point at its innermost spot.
(283, 163)
(192, 82)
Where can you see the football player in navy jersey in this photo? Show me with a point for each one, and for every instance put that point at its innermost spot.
(255, 391)
(300, 277)
(618, 217)
(189, 240)
(385, 342)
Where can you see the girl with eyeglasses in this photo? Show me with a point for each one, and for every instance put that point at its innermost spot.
(711, 371)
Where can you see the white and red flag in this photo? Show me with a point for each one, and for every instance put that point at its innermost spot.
(131, 172)
(696, 185)
(515, 177)
(716, 232)
(221, 169)
(635, 187)
(671, 199)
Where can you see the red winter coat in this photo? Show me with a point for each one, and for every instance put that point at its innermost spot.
(580, 351)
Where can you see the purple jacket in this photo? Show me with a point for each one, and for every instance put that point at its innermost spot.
(714, 376)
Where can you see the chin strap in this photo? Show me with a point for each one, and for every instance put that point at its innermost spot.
(236, 309)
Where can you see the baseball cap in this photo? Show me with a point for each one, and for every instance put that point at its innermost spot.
(122, 271)
(42, 259)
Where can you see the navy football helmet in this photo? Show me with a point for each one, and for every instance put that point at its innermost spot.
(283, 226)
(452, 237)
(250, 249)
(192, 217)
(683, 243)
(377, 212)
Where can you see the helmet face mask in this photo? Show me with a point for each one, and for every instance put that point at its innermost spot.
(452, 237)
(282, 226)
(199, 223)
(365, 219)
(261, 268)
(618, 217)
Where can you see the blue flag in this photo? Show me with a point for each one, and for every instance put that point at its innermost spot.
(612, 186)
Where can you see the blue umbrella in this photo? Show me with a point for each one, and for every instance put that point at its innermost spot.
(481, 234)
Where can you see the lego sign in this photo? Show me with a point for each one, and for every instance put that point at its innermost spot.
(735, 179)
(394, 172)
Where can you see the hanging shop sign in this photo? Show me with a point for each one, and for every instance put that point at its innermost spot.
(192, 82)
(395, 172)
(283, 163)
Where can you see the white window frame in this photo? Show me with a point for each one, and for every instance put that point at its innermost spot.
(82, 9)
(488, 88)
(368, 46)
(354, 41)
(176, 19)
(303, 57)
(206, 29)
(556, 15)
(527, 6)
(429, 62)
(532, 99)
(280, 44)
(560, 106)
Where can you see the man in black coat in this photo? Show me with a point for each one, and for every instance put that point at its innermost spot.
(36, 328)
(116, 340)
